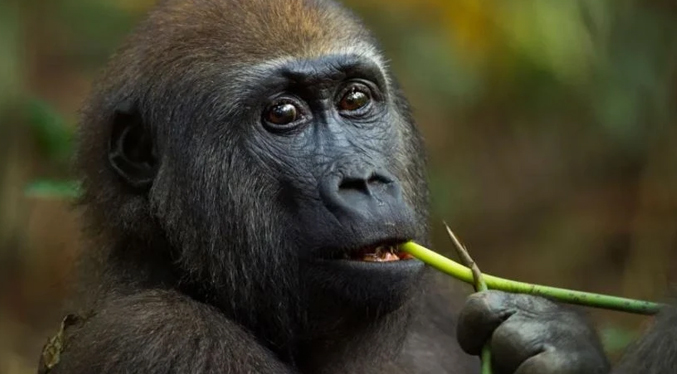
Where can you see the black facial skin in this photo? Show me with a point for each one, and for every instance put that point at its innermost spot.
(338, 183)
(236, 157)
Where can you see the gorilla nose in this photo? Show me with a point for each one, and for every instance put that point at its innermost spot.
(362, 195)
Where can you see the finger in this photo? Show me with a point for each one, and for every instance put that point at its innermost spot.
(485, 311)
(482, 313)
(549, 362)
(517, 340)
(560, 362)
(521, 343)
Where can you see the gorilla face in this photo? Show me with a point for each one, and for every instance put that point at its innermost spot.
(330, 135)
(273, 181)
(298, 166)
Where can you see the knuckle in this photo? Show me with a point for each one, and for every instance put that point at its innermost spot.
(482, 310)
(523, 333)
(476, 301)
(535, 304)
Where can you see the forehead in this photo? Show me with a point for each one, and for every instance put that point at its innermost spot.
(260, 30)
(358, 56)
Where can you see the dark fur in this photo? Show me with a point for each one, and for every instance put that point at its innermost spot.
(198, 274)
(656, 351)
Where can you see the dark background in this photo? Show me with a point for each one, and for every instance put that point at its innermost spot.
(551, 127)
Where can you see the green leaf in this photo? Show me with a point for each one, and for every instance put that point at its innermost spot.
(53, 189)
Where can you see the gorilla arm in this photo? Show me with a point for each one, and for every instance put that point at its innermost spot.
(163, 332)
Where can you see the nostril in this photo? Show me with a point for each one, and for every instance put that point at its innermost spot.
(364, 184)
(377, 179)
(353, 184)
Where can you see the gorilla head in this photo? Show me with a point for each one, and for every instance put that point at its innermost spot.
(258, 156)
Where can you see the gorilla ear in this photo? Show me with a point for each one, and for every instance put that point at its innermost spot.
(130, 149)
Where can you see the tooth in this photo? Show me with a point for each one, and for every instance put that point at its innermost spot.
(373, 258)
(391, 257)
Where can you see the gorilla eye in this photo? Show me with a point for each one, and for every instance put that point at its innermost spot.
(356, 98)
(281, 114)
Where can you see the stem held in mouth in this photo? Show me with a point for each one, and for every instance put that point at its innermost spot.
(594, 300)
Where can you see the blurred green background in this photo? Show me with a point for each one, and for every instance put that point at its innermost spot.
(551, 127)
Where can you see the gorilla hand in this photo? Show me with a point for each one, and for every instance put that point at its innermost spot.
(529, 335)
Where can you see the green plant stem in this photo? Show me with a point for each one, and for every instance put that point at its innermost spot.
(463, 273)
(479, 284)
(486, 359)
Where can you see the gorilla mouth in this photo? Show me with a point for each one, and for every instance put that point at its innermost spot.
(380, 252)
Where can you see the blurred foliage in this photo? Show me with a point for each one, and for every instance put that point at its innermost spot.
(50, 131)
(53, 189)
(550, 126)
(615, 339)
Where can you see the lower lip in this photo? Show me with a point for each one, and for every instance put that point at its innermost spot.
(378, 285)
(400, 265)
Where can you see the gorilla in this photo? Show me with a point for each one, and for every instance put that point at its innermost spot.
(249, 168)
